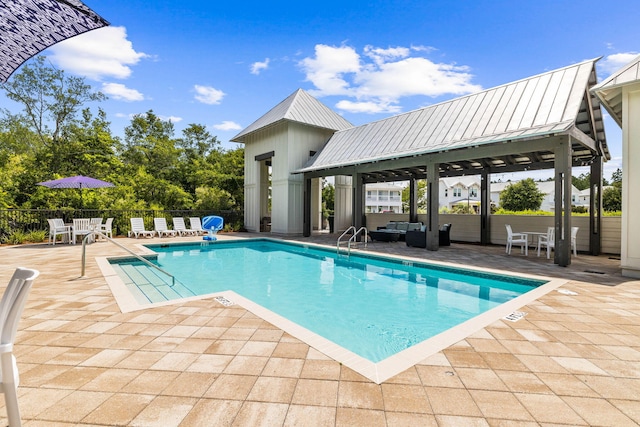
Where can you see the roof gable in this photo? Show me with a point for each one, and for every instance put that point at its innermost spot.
(298, 107)
(550, 103)
(610, 90)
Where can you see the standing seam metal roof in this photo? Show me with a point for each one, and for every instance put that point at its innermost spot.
(610, 90)
(298, 107)
(548, 103)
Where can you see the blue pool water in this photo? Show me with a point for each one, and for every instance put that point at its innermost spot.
(374, 307)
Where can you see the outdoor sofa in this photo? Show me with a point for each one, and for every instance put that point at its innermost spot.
(394, 229)
(418, 238)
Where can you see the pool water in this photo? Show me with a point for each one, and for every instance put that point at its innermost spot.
(370, 305)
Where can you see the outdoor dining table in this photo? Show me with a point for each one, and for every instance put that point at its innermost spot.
(535, 234)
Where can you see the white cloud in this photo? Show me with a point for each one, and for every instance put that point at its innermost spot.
(227, 125)
(612, 63)
(208, 95)
(257, 67)
(121, 92)
(327, 69)
(172, 119)
(379, 77)
(97, 54)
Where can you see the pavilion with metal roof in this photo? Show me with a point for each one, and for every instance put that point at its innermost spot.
(550, 120)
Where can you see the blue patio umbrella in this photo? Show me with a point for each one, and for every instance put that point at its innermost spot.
(78, 181)
(28, 27)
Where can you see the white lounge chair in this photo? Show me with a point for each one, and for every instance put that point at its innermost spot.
(574, 236)
(517, 239)
(11, 307)
(57, 228)
(178, 225)
(137, 229)
(196, 224)
(160, 225)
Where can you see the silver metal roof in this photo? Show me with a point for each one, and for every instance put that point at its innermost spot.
(298, 107)
(610, 90)
(556, 102)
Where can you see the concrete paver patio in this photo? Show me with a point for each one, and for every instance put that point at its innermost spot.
(573, 360)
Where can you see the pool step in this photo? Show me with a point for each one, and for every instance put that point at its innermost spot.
(149, 285)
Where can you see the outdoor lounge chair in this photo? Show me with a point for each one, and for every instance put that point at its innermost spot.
(196, 224)
(57, 228)
(178, 225)
(137, 229)
(11, 307)
(547, 240)
(160, 225)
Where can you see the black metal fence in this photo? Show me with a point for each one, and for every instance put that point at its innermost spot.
(25, 220)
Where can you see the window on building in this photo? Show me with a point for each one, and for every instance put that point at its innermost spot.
(383, 195)
(457, 191)
(473, 192)
(446, 192)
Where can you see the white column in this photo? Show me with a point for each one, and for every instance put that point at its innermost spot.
(343, 203)
(316, 203)
(630, 256)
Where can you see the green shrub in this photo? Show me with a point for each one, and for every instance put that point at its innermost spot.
(16, 237)
(36, 236)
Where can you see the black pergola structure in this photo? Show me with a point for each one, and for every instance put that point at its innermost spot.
(548, 121)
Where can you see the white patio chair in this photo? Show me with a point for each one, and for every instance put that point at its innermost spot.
(160, 225)
(574, 236)
(517, 239)
(178, 225)
(196, 224)
(11, 307)
(57, 227)
(106, 228)
(81, 227)
(137, 229)
(548, 241)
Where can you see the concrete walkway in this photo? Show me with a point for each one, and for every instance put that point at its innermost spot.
(573, 360)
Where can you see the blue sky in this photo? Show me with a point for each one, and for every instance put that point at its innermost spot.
(224, 64)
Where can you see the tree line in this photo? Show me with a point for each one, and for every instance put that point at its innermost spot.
(55, 134)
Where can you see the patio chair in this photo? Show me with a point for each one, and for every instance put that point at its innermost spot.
(548, 241)
(81, 227)
(160, 226)
(195, 224)
(107, 228)
(11, 307)
(178, 225)
(57, 228)
(137, 229)
(517, 239)
(574, 235)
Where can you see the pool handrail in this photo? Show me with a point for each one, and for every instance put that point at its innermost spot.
(144, 260)
(352, 238)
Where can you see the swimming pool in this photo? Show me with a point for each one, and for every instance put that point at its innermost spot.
(373, 306)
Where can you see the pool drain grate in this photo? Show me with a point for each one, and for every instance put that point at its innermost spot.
(223, 301)
(515, 316)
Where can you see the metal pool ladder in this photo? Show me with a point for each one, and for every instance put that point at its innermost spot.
(356, 233)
